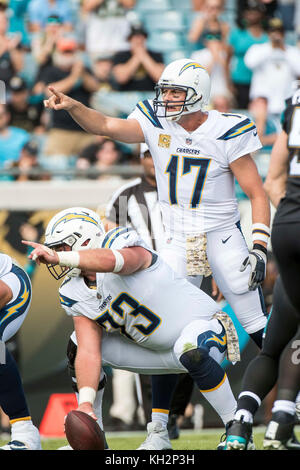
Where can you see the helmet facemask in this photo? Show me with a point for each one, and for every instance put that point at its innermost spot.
(79, 229)
(161, 106)
(56, 271)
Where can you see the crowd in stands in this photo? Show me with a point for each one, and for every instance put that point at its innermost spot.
(111, 53)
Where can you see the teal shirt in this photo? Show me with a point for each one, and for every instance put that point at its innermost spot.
(11, 145)
(240, 40)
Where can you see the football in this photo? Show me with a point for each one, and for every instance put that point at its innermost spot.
(83, 432)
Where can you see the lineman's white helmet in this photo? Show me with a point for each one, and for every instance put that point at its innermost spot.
(187, 75)
(77, 227)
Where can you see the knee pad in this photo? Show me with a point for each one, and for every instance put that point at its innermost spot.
(204, 370)
(193, 358)
(71, 355)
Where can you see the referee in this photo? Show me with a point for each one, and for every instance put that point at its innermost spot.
(136, 204)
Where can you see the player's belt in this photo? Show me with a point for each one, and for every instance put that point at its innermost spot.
(233, 347)
(196, 256)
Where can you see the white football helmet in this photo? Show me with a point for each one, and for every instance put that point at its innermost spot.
(187, 75)
(77, 227)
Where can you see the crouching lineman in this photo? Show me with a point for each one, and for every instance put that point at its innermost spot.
(15, 299)
(132, 311)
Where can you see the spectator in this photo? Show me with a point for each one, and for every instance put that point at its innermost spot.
(106, 25)
(269, 8)
(40, 10)
(249, 31)
(24, 111)
(137, 69)
(12, 139)
(11, 56)
(286, 11)
(197, 5)
(222, 103)
(43, 43)
(27, 161)
(69, 75)
(17, 20)
(208, 21)
(213, 58)
(102, 67)
(275, 66)
(99, 155)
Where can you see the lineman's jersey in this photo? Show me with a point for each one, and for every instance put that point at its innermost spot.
(194, 180)
(150, 307)
(5, 264)
(14, 312)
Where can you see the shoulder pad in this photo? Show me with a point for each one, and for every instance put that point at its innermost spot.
(66, 301)
(237, 127)
(147, 110)
(67, 292)
(121, 237)
(296, 97)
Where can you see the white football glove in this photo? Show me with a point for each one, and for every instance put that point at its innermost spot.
(257, 260)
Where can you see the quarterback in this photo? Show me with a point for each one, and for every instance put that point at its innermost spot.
(197, 155)
(132, 311)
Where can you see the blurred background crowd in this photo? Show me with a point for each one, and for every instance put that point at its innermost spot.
(109, 54)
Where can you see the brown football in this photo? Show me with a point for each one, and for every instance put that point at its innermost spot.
(83, 432)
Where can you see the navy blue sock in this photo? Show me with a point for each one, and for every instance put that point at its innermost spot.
(12, 396)
(163, 387)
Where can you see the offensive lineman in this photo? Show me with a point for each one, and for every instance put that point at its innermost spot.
(142, 316)
(15, 300)
(275, 362)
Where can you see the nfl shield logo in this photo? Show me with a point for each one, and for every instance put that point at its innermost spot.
(188, 141)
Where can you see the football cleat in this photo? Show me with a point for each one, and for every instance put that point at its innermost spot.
(279, 434)
(173, 428)
(157, 438)
(24, 436)
(67, 447)
(238, 436)
(15, 445)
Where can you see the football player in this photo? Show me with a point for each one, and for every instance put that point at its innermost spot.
(132, 311)
(15, 299)
(283, 333)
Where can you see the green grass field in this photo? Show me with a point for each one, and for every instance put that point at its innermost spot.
(189, 440)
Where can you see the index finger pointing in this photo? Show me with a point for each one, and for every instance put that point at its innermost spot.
(56, 93)
(33, 244)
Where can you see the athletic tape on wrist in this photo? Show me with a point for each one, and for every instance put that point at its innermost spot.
(119, 261)
(68, 258)
(260, 232)
(86, 394)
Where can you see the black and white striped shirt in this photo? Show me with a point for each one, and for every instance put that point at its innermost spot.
(136, 205)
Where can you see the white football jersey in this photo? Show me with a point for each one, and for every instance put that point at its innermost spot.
(5, 264)
(194, 179)
(150, 307)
